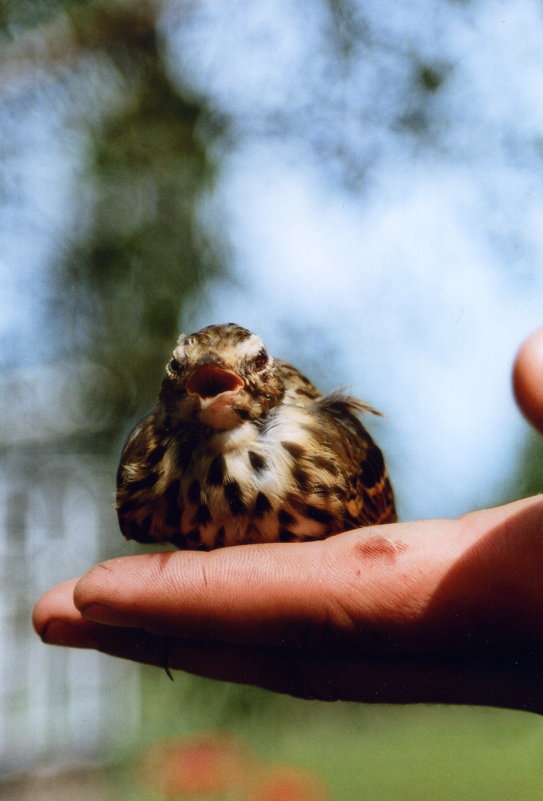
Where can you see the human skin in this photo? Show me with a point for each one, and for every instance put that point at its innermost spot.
(446, 611)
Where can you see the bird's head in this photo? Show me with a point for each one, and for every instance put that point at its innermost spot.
(221, 376)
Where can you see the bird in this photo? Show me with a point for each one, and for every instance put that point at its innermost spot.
(242, 448)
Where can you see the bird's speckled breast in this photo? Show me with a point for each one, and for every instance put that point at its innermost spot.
(273, 481)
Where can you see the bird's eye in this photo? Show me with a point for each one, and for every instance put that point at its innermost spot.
(175, 366)
(261, 359)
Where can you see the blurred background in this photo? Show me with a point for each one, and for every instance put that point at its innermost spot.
(361, 183)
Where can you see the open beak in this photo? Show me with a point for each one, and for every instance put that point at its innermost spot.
(209, 382)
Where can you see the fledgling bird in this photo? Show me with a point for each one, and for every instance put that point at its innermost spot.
(242, 448)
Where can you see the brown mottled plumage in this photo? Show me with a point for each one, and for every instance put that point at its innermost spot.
(242, 448)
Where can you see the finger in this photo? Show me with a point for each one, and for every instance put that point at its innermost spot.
(528, 378)
(57, 604)
(58, 622)
(378, 587)
(312, 675)
(299, 594)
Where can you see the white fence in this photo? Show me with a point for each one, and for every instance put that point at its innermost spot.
(57, 706)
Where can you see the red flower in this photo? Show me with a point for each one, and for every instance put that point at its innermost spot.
(290, 784)
(215, 765)
(200, 765)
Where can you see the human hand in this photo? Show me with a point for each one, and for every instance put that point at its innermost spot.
(446, 611)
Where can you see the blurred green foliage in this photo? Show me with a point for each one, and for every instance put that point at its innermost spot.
(138, 256)
(378, 753)
(135, 255)
(527, 478)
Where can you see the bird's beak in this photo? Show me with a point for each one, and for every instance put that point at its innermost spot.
(209, 381)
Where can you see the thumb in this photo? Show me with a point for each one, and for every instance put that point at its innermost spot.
(528, 378)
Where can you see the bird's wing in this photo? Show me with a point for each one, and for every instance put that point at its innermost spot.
(141, 517)
(370, 498)
(298, 388)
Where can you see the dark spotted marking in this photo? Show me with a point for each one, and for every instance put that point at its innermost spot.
(285, 518)
(237, 334)
(290, 371)
(129, 505)
(320, 515)
(286, 536)
(172, 490)
(219, 538)
(146, 482)
(262, 505)
(203, 515)
(295, 501)
(193, 493)
(243, 414)
(295, 450)
(193, 537)
(232, 493)
(370, 506)
(325, 464)
(258, 463)
(373, 467)
(217, 469)
(154, 456)
(173, 512)
(173, 515)
(302, 479)
(305, 393)
(252, 534)
(140, 531)
(179, 540)
(145, 526)
(183, 456)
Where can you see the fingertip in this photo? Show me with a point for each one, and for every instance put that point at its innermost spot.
(39, 618)
(528, 378)
(103, 580)
(55, 603)
(87, 584)
(123, 583)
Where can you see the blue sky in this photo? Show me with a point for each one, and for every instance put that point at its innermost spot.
(417, 289)
(406, 267)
